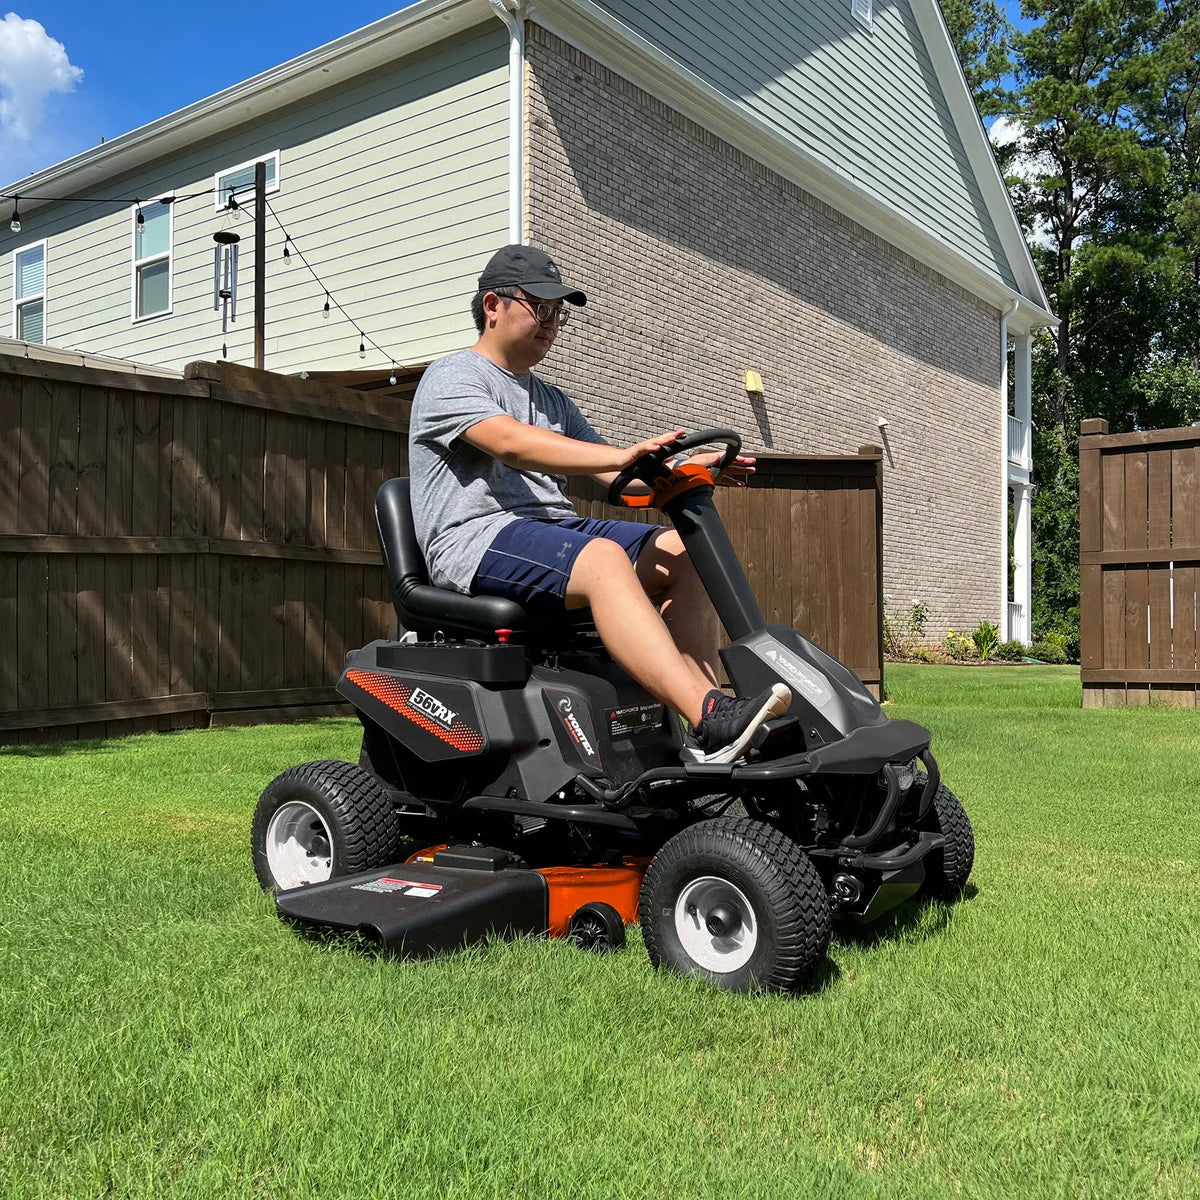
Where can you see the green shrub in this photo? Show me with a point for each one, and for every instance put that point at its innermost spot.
(1012, 651)
(1048, 652)
(986, 638)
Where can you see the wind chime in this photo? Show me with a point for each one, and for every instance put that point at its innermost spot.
(225, 272)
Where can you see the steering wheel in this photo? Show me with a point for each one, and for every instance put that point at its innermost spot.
(651, 466)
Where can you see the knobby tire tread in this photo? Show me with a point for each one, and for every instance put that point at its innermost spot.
(367, 825)
(948, 872)
(795, 888)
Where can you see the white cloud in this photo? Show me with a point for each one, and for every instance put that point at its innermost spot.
(1005, 132)
(33, 65)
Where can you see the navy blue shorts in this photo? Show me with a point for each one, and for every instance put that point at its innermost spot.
(530, 560)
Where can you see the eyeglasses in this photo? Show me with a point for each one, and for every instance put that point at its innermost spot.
(544, 311)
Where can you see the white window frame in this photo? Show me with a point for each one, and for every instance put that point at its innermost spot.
(863, 13)
(272, 188)
(45, 286)
(135, 262)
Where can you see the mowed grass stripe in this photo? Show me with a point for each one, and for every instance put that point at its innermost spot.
(163, 1034)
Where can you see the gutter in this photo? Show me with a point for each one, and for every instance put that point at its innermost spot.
(515, 22)
(1005, 631)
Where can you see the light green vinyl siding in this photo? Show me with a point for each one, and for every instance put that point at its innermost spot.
(395, 189)
(865, 103)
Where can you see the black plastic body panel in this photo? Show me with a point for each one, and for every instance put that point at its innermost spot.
(417, 909)
(830, 700)
(484, 664)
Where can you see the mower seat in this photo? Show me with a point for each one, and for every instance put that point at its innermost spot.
(426, 609)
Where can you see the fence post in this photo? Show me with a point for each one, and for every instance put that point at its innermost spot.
(1091, 516)
(870, 450)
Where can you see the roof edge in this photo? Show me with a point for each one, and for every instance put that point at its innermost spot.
(978, 148)
(354, 54)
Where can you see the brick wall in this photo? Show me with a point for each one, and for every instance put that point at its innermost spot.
(700, 262)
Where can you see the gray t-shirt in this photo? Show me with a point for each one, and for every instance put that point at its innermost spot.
(462, 497)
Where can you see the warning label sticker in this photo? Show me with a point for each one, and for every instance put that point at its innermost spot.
(634, 719)
(406, 887)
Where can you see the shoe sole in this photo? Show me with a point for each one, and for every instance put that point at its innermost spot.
(775, 706)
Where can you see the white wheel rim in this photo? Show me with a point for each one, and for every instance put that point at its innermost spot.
(717, 952)
(299, 846)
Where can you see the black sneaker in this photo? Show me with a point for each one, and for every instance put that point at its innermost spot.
(728, 722)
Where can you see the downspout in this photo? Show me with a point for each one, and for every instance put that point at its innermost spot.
(515, 22)
(1005, 631)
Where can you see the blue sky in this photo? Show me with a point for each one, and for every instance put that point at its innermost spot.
(140, 62)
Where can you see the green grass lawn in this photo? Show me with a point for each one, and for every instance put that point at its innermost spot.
(163, 1034)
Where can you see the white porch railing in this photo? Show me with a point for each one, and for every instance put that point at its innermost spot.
(1018, 442)
(1016, 626)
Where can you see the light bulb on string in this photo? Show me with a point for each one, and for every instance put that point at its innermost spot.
(15, 223)
(392, 376)
(141, 220)
(287, 254)
(233, 205)
(326, 312)
(362, 346)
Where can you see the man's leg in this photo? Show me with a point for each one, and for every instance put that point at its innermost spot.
(631, 629)
(667, 574)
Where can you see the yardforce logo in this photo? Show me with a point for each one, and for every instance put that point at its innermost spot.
(789, 666)
(565, 706)
(431, 706)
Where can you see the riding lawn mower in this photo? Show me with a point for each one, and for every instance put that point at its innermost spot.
(549, 791)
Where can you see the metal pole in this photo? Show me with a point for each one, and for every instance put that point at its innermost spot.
(260, 265)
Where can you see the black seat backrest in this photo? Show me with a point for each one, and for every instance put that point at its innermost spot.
(420, 606)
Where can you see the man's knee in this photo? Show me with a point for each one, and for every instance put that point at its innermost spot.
(664, 563)
(601, 561)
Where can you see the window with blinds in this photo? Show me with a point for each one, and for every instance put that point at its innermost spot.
(239, 181)
(29, 300)
(151, 260)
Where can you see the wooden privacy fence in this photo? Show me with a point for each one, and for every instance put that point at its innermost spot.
(179, 553)
(1139, 550)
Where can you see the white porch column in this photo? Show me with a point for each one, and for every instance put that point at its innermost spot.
(1022, 518)
(1022, 563)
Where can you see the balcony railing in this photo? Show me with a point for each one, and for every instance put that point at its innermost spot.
(1018, 442)
(1016, 624)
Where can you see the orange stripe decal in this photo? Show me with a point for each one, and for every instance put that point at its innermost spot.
(390, 691)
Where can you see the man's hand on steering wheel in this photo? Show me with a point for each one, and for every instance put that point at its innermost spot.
(734, 475)
(632, 453)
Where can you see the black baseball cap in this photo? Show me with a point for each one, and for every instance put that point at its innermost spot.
(529, 268)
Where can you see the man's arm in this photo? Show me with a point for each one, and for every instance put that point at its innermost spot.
(531, 448)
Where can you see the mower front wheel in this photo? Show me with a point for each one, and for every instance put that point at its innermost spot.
(320, 820)
(737, 902)
(947, 869)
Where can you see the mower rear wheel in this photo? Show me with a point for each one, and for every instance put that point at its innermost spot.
(738, 903)
(947, 870)
(320, 820)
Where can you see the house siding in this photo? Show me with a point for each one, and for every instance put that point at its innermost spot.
(394, 189)
(700, 262)
(865, 103)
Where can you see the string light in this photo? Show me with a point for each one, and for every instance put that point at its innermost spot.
(287, 254)
(290, 250)
(15, 223)
(233, 205)
(141, 220)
